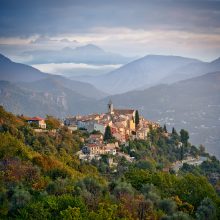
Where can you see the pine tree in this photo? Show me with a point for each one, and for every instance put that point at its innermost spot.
(174, 131)
(165, 128)
(184, 136)
(137, 119)
(108, 134)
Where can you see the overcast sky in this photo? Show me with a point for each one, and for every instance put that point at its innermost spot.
(130, 27)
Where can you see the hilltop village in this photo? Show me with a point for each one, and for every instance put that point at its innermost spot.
(107, 132)
(124, 125)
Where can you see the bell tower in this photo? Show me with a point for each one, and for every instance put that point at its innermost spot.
(110, 107)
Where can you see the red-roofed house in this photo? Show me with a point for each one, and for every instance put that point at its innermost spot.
(40, 122)
(95, 138)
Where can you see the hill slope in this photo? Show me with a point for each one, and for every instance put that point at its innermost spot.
(59, 102)
(16, 72)
(31, 78)
(192, 70)
(57, 84)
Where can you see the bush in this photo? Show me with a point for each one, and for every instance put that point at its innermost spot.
(168, 206)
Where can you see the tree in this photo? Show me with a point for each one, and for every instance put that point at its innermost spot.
(165, 128)
(206, 210)
(193, 189)
(71, 214)
(184, 136)
(104, 211)
(20, 198)
(108, 134)
(168, 206)
(4, 203)
(52, 122)
(122, 188)
(181, 152)
(174, 131)
(201, 149)
(177, 216)
(137, 119)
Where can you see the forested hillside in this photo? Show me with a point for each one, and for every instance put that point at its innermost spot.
(41, 176)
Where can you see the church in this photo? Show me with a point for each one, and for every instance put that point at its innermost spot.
(113, 111)
(120, 115)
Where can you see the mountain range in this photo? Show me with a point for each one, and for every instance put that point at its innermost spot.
(149, 71)
(89, 54)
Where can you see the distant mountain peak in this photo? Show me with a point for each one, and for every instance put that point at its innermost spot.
(158, 56)
(67, 49)
(90, 47)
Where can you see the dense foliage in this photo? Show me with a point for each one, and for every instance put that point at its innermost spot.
(42, 178)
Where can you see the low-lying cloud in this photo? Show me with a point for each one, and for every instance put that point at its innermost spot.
(75, 69)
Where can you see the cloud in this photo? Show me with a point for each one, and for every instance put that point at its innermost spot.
(127, 41)
(26, 18)
(188, 27)
(15, 46)
(15, 40)
(47, 40)
(75, 69)
(142, 42)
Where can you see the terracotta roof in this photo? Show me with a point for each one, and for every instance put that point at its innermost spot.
(110, 146)
(123, 111)
(94, 145)
(36, 119)
(96, 136)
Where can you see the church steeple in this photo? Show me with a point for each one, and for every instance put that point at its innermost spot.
(110, 107)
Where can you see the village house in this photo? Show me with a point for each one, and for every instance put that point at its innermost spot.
(121, 138)
(39, 122)
(93, 149)
(142, 133)
(83, 123)
(100, 148)
(111, 148)
(100, 127)
(72, 128)
(95, 138)
(69, 121)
